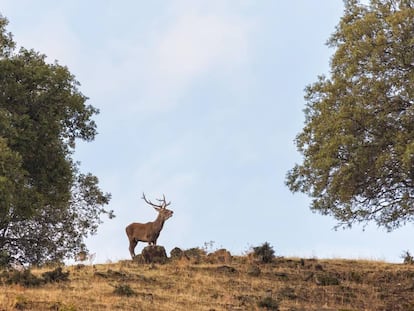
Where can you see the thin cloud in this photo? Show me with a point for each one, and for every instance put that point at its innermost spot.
(189, 47)
(194, 46)
(60, 43)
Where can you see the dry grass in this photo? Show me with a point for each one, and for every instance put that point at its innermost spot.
(284, 284)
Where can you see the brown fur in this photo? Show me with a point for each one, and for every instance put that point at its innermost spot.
(150, 231)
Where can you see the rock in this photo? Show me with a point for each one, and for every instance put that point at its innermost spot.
(154, 254)
(177, 253)
(221, 256)
(195, 255)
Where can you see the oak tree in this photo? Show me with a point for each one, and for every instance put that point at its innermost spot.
(47, 206)
(358, 139)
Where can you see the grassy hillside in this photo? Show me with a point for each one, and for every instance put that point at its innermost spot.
(214, 283)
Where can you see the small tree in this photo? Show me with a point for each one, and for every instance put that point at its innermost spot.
(264, 253)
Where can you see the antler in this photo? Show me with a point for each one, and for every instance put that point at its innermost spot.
(163, 204)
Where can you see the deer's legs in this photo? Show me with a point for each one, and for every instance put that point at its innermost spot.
(132, 244)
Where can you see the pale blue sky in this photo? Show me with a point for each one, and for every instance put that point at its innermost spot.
(200, 100)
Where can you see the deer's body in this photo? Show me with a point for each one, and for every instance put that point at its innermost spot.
(150, 231)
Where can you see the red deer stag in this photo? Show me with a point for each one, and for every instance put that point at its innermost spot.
(149, 231)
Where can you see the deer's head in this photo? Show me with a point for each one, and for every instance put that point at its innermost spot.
(161, 208)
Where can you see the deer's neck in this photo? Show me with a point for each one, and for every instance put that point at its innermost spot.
(159, 223)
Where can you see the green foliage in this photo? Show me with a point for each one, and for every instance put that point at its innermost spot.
(357, 141)
(6, 41)
(5, 259)
(264, 253)
(47, 206)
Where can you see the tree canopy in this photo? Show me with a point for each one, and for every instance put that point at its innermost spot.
(47, 206)
(358, 139)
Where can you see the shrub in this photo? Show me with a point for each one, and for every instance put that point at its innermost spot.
(195, 254)
(269, 303)
(408, 259)
(5, 259)
(326, 279)
(58, 306)
(124, 290)
(264, 253)
(56, 275)
(287, 293)
(24, 278)
(21, 303)
(27, 279)
(176, 253)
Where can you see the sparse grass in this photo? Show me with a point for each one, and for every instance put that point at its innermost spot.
(283, 284)
(269, 303)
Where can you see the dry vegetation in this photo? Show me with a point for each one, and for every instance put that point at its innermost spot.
(218, 283)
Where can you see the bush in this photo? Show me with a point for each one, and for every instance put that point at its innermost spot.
(408, 259)
(195, 254)
(61, 307)
(269, 303)
(56, 275)
(264, 253)
(124, 290)
(24, 278)
(27, 279)
(21, 303)
(326, 279)
(177, 253)
(287, 293)
(5, 259)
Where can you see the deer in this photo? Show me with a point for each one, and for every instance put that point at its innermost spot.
(150, 231)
